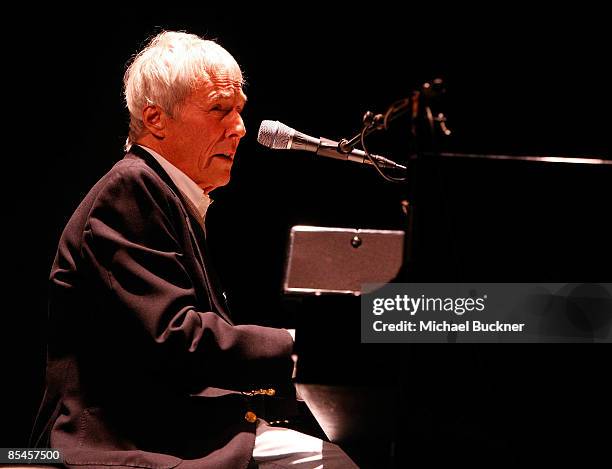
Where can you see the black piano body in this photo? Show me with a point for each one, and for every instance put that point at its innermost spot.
(474, 219)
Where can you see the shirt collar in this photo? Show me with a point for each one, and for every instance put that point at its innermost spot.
(186, 185)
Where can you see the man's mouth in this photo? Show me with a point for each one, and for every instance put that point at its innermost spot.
(229, 156)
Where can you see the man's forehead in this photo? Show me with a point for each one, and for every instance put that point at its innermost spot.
(221, 88)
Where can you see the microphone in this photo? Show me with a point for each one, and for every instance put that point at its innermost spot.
(278, 136)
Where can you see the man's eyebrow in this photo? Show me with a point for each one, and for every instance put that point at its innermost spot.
(227, 96)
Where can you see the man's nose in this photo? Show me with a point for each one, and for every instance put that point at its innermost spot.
(236, 126)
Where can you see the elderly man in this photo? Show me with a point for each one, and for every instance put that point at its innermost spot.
(145, 366)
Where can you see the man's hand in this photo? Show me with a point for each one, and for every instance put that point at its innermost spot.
(294, 357)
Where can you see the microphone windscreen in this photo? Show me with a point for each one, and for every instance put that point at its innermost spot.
(274, 134)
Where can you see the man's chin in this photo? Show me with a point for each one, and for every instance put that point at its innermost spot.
(219, 182)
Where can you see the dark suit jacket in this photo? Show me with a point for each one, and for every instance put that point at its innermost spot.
(145, 367)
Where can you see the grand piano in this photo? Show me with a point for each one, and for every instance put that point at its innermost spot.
(472, 218)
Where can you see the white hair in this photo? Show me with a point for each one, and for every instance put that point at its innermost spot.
(166, 71)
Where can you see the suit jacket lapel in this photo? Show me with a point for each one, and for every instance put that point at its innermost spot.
(217, 294)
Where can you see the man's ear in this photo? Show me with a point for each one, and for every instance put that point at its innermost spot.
(154, 120)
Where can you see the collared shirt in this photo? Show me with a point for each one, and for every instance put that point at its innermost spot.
(186, 185)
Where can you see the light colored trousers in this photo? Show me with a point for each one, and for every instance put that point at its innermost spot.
(277, 447)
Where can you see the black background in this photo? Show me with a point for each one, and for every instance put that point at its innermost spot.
(520, 81)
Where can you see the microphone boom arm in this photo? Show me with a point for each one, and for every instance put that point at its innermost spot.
(377, 122)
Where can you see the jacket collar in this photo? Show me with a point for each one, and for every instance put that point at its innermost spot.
(155, 166)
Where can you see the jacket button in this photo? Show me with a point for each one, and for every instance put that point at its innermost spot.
(250, 417)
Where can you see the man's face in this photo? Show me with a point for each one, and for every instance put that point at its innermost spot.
(202, 137)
